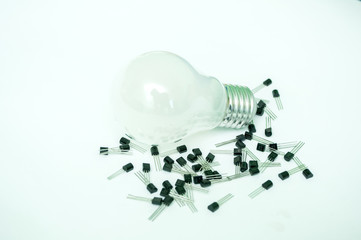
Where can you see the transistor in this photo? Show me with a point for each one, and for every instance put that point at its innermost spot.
(289, 155)
(237, 162)
(166, 184)
(205, 183)
(254, 157)
(265, 83)
(188, 178)
(155, 153)
(126, 168)
(240, 144)
(179, 149)
(146, 170)
(167, 201)
(168, 160)
(307, 173)
(205, 164)
(286, 174)
(155, 201)
(241, 137)
(173, 168)
(265, 186)
(276, 96)
(268, 130)
(197, 179)
(261, 147)
(251, 136)
(271, 157)
(183, 163)
(252, 127)
(263, 106)
(276, 146)
(215, 205)
(122, 149)
(164, 192)
(150, 186)
(126, 141)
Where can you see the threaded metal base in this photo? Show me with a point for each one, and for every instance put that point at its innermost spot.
(241, 106)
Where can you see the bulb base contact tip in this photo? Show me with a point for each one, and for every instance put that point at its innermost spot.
(241, 106)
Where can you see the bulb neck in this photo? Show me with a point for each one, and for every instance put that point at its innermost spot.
(241, 106)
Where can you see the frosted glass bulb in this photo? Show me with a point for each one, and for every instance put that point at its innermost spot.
(161, 99)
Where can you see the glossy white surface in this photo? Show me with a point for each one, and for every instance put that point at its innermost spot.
(161, 98)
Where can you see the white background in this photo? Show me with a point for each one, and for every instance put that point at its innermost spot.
(57, 63)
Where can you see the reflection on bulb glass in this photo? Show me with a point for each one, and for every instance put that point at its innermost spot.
(161, 99)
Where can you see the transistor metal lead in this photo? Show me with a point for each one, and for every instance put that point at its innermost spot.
(265, 186)
(179, 149)
(276, 96)
(215, 205)
(265, 83)
(155, 201)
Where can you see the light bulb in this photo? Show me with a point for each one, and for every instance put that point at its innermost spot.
(161, 99)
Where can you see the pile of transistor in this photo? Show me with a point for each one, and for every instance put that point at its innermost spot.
(198, 173)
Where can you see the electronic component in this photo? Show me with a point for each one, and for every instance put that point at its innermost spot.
(262, 107)
(122, 149)
(268, 130)
(167, 201)
(252, 128)
(166, 184)
(289, 155)
(265, 83)
(307, 173)
(241, 137)
(286, 174)
(155, 153)
(126, 168)
(150, 186)
(276, 96)
(265, 186)
(251, 136)
(183, 163)
(261, 147)
(205, 164)
(126, 141)
(240, 144)
(215, 205)
(276, 146)
(168, 160)
(179, 149)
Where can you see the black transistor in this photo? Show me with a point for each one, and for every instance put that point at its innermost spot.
(265, 186)
(265, 83)
(126, 141)
(126, 168)
(276, 96)
(179, 149)
(215, 205)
